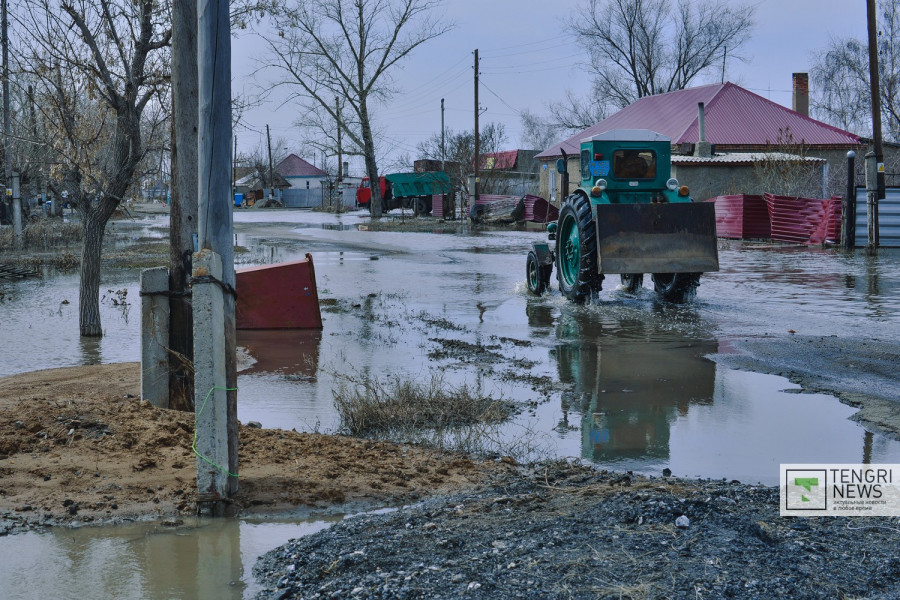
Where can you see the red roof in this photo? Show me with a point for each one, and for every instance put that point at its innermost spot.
(734, 117)
(294, 166)
(499, 160)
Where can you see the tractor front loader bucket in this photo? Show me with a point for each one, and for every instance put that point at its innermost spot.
(656, 238)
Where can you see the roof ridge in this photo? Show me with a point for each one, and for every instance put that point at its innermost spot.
(721, 86)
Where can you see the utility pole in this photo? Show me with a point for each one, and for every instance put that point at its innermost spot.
(443, 167)
(7, 152)
(215, 377)
(184, 206)
(873, 199)
(477, 149)
(340, 157)
(271, 171)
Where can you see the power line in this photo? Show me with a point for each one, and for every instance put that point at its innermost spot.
(497, 96)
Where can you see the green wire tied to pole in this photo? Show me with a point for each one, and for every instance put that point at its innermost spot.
(194, 444)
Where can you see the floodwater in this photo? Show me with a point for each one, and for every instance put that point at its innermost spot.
(204, 558)
(633, 387)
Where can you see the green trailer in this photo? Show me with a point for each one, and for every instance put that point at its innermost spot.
(415, 190)
(629, 216)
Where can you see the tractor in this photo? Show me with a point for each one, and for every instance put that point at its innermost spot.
(628, 217)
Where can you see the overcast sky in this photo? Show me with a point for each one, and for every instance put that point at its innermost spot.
(528, 60)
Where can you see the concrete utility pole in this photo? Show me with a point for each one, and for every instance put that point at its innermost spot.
(271, 170)
(340, 156)
(215, 398)
(876, 128)
(7, 153)
(477, 149)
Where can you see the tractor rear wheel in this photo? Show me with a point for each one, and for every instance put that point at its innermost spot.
(576, 250)
(676, 287)
(632, 282)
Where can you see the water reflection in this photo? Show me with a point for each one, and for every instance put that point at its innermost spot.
(630, 393)
(285, 351)
(91, 350)
(202, 559)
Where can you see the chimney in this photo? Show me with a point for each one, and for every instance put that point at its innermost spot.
(801, 94)
(703, 148)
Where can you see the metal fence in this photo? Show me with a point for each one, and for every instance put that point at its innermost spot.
(888, 218)
(300, 198)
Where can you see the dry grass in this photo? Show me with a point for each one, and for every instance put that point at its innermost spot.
(435, 415)
(42, 234)
(369, 406)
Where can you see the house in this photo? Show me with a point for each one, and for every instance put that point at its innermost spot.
(512, 172)
(250, 182)
(742, 132)
(301, 174)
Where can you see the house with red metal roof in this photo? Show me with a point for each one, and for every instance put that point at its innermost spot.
(741, 130)
(301, 174)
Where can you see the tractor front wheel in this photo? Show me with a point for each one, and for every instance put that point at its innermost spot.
(632, 282)
(537, 276)
(576, 250)
(676, 287)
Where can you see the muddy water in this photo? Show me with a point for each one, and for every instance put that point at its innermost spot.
(626, 384)
(199, 559)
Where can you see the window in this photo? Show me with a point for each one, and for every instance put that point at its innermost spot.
(634, 164)
(585, 159)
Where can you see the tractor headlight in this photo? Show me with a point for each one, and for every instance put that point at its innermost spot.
(672, 184)
(598, 188)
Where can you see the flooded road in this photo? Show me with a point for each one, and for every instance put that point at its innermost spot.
(626, 384)
(633, 386)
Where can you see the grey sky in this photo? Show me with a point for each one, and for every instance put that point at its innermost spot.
(528, 60)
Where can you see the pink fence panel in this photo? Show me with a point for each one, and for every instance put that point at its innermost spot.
(742, 216)
(804, 220)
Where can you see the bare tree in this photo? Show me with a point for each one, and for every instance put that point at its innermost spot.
(786, 169)
(841, 90)
(644, 47)
(537, 132)
(347, 49)
(98, 71)
(460, 156)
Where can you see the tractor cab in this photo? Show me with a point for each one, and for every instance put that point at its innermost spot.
(629, 166)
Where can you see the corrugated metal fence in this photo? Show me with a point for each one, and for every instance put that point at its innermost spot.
(888, 218)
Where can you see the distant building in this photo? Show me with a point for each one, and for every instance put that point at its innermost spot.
(513, 172)
(742, 130)
(251, 183)
(301, 174)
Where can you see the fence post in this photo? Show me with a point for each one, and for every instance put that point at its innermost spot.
(872, 202)
(210, 382)
(18, 229)
(155, 336)
(848, 210)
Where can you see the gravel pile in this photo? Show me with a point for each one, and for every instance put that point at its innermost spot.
(565, 531)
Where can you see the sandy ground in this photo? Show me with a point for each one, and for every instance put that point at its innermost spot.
(77, 444)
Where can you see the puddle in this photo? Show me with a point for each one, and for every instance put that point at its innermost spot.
(203, 559)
